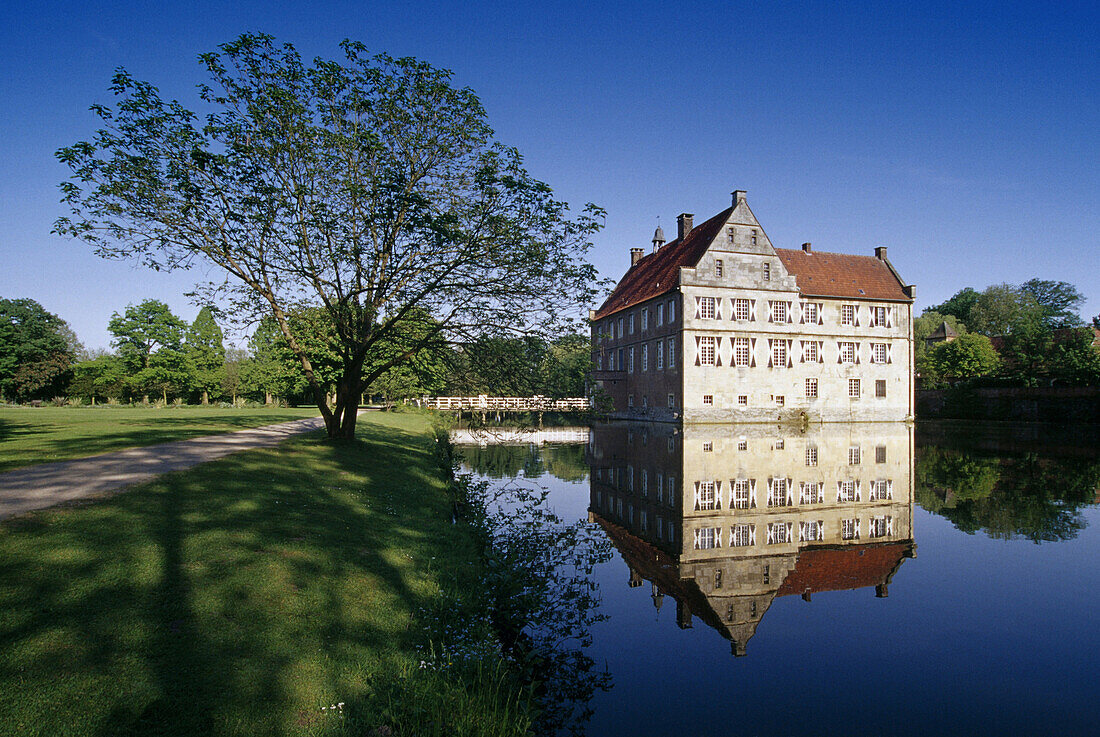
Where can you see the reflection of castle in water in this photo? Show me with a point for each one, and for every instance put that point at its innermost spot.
(724, 518)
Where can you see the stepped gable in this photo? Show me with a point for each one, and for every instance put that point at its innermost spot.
(842, 275)
(840, 569)
(657, 273)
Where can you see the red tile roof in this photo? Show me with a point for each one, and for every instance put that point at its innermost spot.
(838, 569)
(842, 275)
(818, 274)
(657, 273)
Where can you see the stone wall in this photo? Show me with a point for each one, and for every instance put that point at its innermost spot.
(1040, 404)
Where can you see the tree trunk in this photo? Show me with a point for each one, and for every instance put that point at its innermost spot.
(164, 395)
(267, 397)
(205, 397)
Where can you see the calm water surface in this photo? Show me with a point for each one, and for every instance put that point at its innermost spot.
(938, 582)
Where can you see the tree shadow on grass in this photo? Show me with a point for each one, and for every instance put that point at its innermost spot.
(236, 598)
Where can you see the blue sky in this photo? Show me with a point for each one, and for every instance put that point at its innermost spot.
(963, 136)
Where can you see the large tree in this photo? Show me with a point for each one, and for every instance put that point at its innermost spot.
(1059, 301)
(368, 186)
(205, 350)
(35, 350)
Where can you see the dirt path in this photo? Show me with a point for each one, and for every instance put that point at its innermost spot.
(47, 484)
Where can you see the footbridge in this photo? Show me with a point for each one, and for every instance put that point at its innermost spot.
(485, 403)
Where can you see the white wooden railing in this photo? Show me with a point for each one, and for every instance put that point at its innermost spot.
(485, 403)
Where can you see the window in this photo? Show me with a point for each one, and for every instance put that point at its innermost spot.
(847, 491)
(645, 357)
(645, 319)
(880, 454)
(718, 268)
(778, 348)
(754, 237)
(849, 529)
(742, 400)
(645, 521)
(809, 351)
(880, 526)
(741, 496)
(811, 492)
(779, 444)
(621, 327)
(847, 351)
(645, 483)
(671, 310)
(810, 531)
(847, 314)
(741, 352)
(660, 315)
(671, 353)
(853, 388)
(660, 355)
(707, 538)
(708, 399)
(742, 445)
(881, 490)
(630, 365)
(777, 311)
(660, 487)
(630, 401)
(780, 400)
(671, 488)
(779, 493)
(708, 446)
(811, 455)
(619, 362)
(742, 309)
(707, 496)
(599, 362)
(878, 317)
(854, 455)
(630, 322)
(880, 387)
(707, 350)
(767, 267)
(645, 401)
(742, 536)
(811, 388)
(779, 532)
(706, 308)
(671, 401)
(878, 353)
(809, 312)
(730, 233)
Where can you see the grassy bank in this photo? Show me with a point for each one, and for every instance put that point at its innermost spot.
(42, 434)
(250, 596)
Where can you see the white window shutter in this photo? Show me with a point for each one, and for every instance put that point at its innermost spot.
(771, 311)
(752, 534)
(856, 311)
(858, 497)
(697, 536)
(790, 312)
(790, 531)
(889, 353)
(717, 537)
(752, 310)
(752, 493)
(752, 352)
(821, 351)
(698, 307)
(889, 317)
(801, 314)
(858, 351)
(790, 492)
(771, 534)
(790, 349)
(838, 491)
(717, 308)
(820, 313)
(696, 496)
(889, 525)
(889, 489)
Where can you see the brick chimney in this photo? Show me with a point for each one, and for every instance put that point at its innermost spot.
(684, 224)
(880, 253)
(636, 255)
(738, 196)
(806, 248)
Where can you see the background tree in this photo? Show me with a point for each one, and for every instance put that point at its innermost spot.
(1059, 301)
(104, 375)
(205, 351)
(565, 367)
(35, 350)
(1004, 309)
(143, 331)
(367, 187)
(959, 306)
(1074, 359)
(967, 357)
(232, 374)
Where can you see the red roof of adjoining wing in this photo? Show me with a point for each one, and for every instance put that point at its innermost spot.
(839, 569)
(657, 273)
(842, 275)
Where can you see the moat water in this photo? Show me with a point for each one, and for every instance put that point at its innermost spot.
(864, 579)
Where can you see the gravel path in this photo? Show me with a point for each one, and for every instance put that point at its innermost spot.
(48, 484)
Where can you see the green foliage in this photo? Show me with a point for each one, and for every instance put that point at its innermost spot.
(205, 351)
(35, 350)
(967, 356)
(365, 187)
(143, 329)
(959, 306)
(1074, 359)
(1059, 301)
(102, 376)
(1004, 309)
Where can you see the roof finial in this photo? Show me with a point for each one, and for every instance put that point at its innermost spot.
(658, 236)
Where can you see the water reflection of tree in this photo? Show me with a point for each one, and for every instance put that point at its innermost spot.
(1028, 495)
(565, 462)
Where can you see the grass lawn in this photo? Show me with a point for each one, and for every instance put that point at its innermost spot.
(42, 434)
(241, 597)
